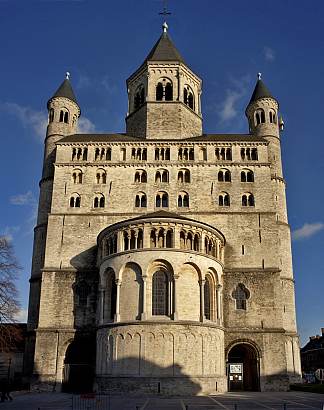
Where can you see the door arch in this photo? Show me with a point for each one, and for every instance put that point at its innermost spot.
(243, 367)
(78, 369)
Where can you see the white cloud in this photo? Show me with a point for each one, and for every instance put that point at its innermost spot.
(269, 54)
(228, 109)
(23, 199)
(9, 231)
(307, 230)
(29, 118)
(83, 81)
(21, 316)
(85, 125)
(27, 199)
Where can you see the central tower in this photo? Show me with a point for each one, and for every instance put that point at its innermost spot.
(164, 95)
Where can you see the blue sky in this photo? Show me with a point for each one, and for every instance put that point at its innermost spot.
(102, 42)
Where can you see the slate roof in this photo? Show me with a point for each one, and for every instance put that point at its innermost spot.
(316, 342)
(164, 50)
(65, 90)
(127, 138)
(260, 91)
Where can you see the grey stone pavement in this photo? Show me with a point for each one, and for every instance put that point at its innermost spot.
(243, 401)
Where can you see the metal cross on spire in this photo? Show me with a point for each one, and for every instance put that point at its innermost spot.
(165, 12)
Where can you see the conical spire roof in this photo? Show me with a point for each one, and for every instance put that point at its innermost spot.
(65, 90)
(164, 49)
(260, 91)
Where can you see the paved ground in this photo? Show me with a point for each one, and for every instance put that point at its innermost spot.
(242, 401)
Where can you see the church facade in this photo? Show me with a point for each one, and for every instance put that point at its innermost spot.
(162, 256)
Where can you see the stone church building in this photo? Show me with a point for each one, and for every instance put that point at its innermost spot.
(162, 256)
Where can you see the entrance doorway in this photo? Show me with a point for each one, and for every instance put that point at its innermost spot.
(243, 368)
(78, 370)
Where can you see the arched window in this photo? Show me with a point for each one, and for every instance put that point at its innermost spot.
(140, 200)
(203, 154)
(64, 116)
(140, 176)
(168, 92)
(224, 175)
(248, 199)
(183, 200)
(164, 90)
(99, 201)
(139, 96)
(159, 92)
(241, 294)
(207, 298)
(110, 296)
(259, 116)
(162, 200)
(101, 176)
(162, 175)
(247, 176)
(188, 97)
(272, 117)
(224, 199)
(51, 115)
(77, 176)
(160, 292)
(75, 201)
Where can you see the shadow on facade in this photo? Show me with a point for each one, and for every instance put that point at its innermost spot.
(133, 376)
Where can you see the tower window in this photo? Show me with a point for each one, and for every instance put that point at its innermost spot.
(224, 199)
(164, 90)
(162, 200)
(241, 294)
(249, 154)
(64, 116)
(186, 154)
(272, 117)
(160, 293)
(51, 115)
(223, 154)
(139, 98)
(259, 116)
(75, 201)
(188, 97)
(224, 175)
(162, 154)
(101, 176)
(139, 154)
(184, 176)
(247, 176)
(140, 200)
(248, 199)
(77, 176)
(102, 154)
(162, 175)
(140, 176)
(99, 201)
(183, 200)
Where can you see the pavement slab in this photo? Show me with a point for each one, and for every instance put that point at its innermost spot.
(228, 401)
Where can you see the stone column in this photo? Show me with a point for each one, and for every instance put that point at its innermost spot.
(202, 300)
(175, 298)
(144, 313)
(146, 236)
(117, 314)
(219, 306)
(120, 238)
(101, 305)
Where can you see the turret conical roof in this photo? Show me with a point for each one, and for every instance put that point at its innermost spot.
(65, 90)
(260, 91)
(164, 50)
